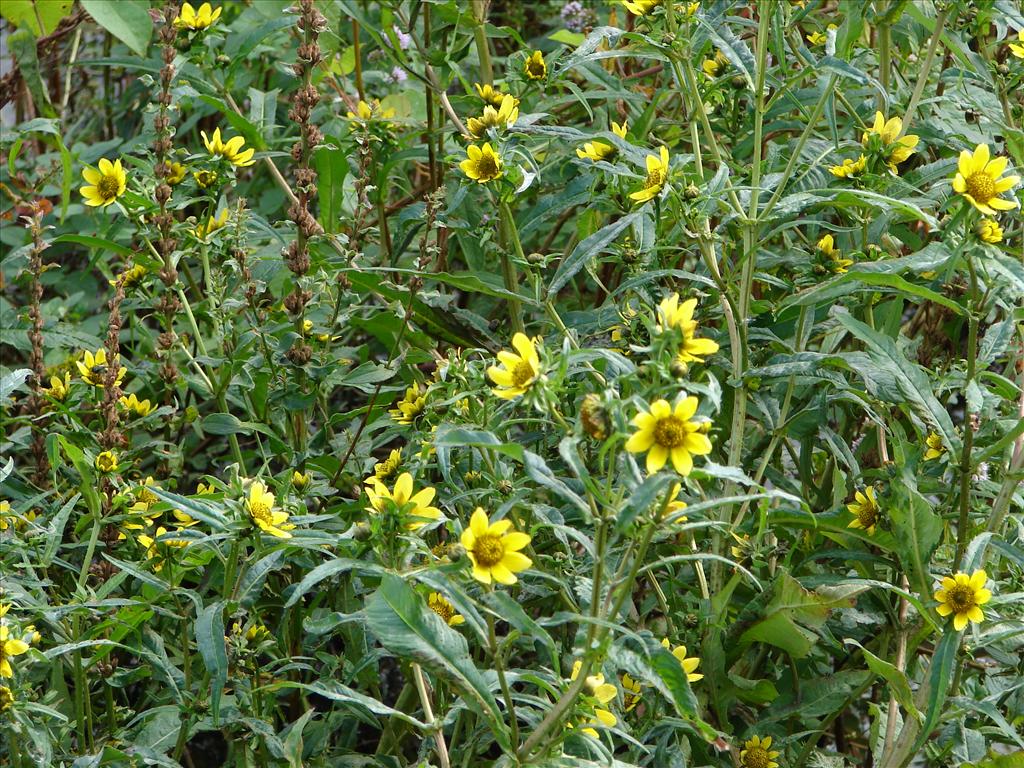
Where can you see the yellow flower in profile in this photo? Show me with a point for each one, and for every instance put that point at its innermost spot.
(989, 231)
(106, 461)
(93, 368)
(503, 117)
(595, 685)
(260, 505)
(978, 180)
(631, 695)
(599, 150)
(366, 111)
(715, 66)
(190, 18)
(935, 446)
(300, 480)
(865, 510)
(517, 372)
(175, 174)
(657, 175)
(601, 718)
(105, 185)
(819, 37)
(641, 7)
(689, 664)
(140, 408)
(130, 277)
(756, 754)
(183, 519)
(482, 164)
(828, 247)
(535, 68)
(675, 505)
(491, 95)
(895, 148)
(59, 388)
(493, 548)
(415, 505)
(152, 546)
(202, 231)
(231, 150)
(385, 468)
(439, 604)
(850, 168)
(410, 406)
(665, 433)
(672, 314)
(1018, 50)
(962, 596)
(9, 648)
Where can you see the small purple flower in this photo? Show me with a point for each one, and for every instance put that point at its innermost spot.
(398, 76)
(576, 17)
(404, 40)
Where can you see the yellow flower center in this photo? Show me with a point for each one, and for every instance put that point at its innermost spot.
(107, 187)
(981, 187)
(867, 515)
(756, 757)
(960, 598)
(522, 374)
(442, 608)
(670, 432)
(535, 68)
(489, 550)
(260, 510)
(486, 167)
(654, 179)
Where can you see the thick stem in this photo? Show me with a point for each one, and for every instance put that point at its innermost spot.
(428, 714)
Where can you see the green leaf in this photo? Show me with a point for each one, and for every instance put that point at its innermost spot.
(127, 20)
(209, 512)
(916, 529)
(209, 631)
(95, 242)
(326, 571)
(897, 680)
(23, 46)
(13, 381)
(403, 624)
(852, 281)
(331, 168)
(587, 249)
(28, 13)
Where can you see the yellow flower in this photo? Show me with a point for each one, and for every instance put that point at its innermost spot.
(640, 7)
(190, 18)
(535, 67)
(676, 505)
(482, 164)
(962, 595)
(175, 174)
(130, 277)
(372, 110)
(202, 489)
(419, 508)
(5, 512)
(665, 433)
(106, 461)
(140, 408)
(138, 519)
(9, 648)
(756, 754)
(688, 664)
(212, 225)
(865, 510)
(410, 406)
(1018, 50)
(300, 480)
(828, 247)
(602, 718)
(105, 185)
(595, 150)
(657, 175)
(595, 685)
(517, 371)
(440, 605)
(935, 446)
(630, 692)
(384, 469)
(6, 698)
(493, 548)
(672, 314)
(93, 368)
(978, 179)
(716, 66)
(817, 38)
(849, 168)
(492, 95)
(504, 116)
(230, 150)
(895, 148)
(143, 494)
(261, 509)
(183, 519)
(152, 546)
(59, 388)
(989, 231)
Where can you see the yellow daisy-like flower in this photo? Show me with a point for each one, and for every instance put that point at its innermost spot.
(175, 174)
(517, 372)
(59, 388)
(672, 314)
(138, 519)
(640, 7)
(689, 664)
(482, 164)
(757, 753)
(439, 604)
(231, 150)
(260, 505)
(599, 150)
(385, 468)
(657, 175)
(989, 231)
(935, 446)
(850, 168)
(418, 502)
(664, 433)
(895, 148)
(828, 247)
(865, 510)
(504, 117)
(535, 67)
(190, 18)
(630, 692)
(978, 180)
(715, 66)
(595, 685)
(130, 277)
(140, 408)
(962, 596)
(152, 546)
(366, 111)
(1018, 50)
(493, 548)
(492, 95)
(105, 185)
(410, 406)
(202, 231)
(9, 648)
(601, 718)
(93, 368)
(300, 480)
(106, 461)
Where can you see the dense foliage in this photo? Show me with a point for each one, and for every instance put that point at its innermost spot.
(455, 383)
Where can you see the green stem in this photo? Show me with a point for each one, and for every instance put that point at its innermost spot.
(506, 692)
(483, 48)
(926, 67)
(884, 60)
(966, 468)
(508, 267)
